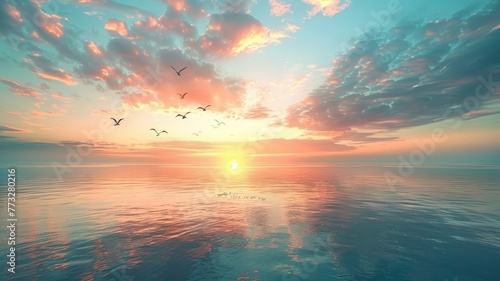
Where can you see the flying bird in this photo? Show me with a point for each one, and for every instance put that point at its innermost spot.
(203, 108)
(183, 116)
(218, 123)
(178, 72)
(182, 96)
(158, 134)
(117, 123)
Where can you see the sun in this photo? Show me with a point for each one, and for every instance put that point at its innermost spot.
(234, 165)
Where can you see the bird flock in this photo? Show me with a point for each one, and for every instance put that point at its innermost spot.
(184, 116)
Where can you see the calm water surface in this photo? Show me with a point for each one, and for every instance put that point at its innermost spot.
(324, 223)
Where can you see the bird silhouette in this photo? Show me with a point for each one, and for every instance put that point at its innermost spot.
(178, 72)
(182, 96)
(117, 123)
(218, 123)
(203, 108)
(183, 116)
(158, 134)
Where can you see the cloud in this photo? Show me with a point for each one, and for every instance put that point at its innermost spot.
(233, 6)
(10, 19)
(108, 112)
(115, 26)
(17, 114)
(141, 69)
(12, 129)
(46, 70)
(291, 27)
(35, 124)
(51, 24)
(58, 75)
(138, 61)
(176, 23)
(192, 8)
(327, 7)
(231, 34)
(391, 81)
(20, 89)
(200, 80)
(59, 97)
(278, 8)
(165, 30)
(46, 28)
(42, 114)
(93, 49)
(114, 6)
(12, 12)
(258, 112)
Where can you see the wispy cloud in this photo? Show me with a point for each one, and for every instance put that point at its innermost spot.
(21, 89)
(327, 7)
(291, 27)
(112, 5)
(279, 8)
(231, 34)
(8, 129)
(115, 26)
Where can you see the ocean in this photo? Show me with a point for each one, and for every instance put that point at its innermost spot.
(341, 222)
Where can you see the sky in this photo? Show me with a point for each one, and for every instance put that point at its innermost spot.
(292, 81)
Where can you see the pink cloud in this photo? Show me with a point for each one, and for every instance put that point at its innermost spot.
(116, 26)
(114, 5)
(17, 114)
(45, 68)
(173, 22)
(191, 8)
(148, 23)
(291, 28)
(34, 124)
(283, 146)
(258, 112)
(278, 8)
(232, 34)
(20, 89)
(199, 81)
(37, 37)
(59, 97)
(43, 114)
(93, 49)
(138, 100)
(178, 5)
(107, 112)
(58, 75)
(51, 24)
(327, 7)
(150, 80)
(8, 129)
(165, 28)
(14, 13)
